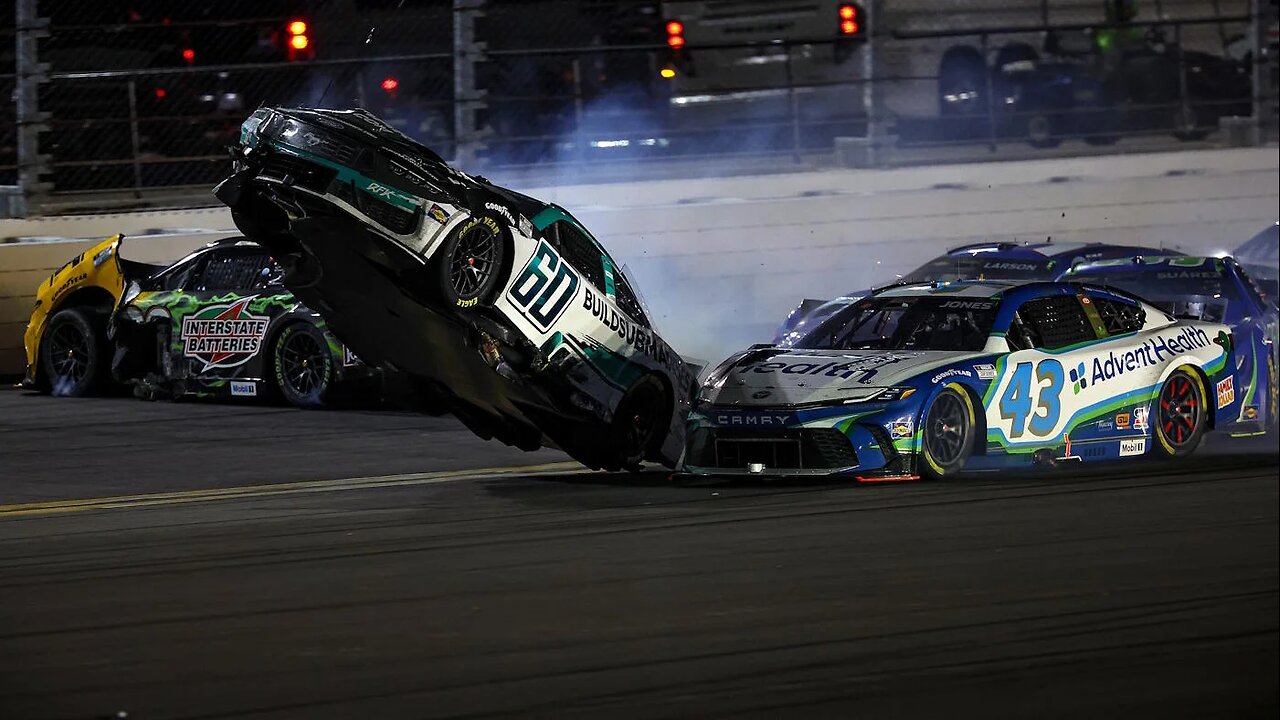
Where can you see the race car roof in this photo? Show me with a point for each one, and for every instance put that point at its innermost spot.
(958, 288)
(1054, 251)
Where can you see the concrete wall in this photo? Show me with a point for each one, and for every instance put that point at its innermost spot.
(720, 262)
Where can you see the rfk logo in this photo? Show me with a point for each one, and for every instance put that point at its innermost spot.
(223, 336)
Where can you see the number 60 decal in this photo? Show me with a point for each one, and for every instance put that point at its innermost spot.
(1016, 401)
(545, 287)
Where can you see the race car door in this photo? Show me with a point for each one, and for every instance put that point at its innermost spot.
(1053, 393)
(222, 313)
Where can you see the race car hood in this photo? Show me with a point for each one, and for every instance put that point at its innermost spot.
(776, 376)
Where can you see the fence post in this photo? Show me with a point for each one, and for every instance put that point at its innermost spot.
(871, 92)
(134, 143)
(1185, 112)
(793, 105)
(990, 94)
(1257, 73)
(30, 74)
(468, 98)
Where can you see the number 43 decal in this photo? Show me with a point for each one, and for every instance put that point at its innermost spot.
(1016, 402)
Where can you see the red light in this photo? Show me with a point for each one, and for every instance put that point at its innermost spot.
(189, 55)
(390, 84)
(848, 12)
(298, 27)
(160, 93)
(675, 27)
(676, 41)
(299, 42)
(849, 27)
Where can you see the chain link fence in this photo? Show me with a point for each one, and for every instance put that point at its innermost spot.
(130, 99)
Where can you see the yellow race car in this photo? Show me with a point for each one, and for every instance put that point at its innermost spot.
(217, 322)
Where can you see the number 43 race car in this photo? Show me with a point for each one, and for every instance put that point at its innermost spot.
(504, 309)
(928, 379)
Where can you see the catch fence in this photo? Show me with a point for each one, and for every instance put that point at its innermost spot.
(123, 103)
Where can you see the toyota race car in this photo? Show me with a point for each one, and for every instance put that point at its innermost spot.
(505, 309)
(1215, 290)
(928, 379)
(215, 323)
(979, 261)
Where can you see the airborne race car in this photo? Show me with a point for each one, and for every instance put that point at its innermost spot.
(979, 261)
(928, 379)
(215, 323)
(505, 309)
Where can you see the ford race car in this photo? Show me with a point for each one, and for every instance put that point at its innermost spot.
(929, 379)
(1217, 290)
(979, 261)
(215, 323)
(505, 309)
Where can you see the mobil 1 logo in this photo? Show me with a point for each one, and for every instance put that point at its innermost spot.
(544, 288)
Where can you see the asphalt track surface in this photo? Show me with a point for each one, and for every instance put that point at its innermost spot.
(196, 560)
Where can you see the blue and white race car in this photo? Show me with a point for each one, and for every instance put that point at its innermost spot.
(980, 261)
(1216, 290)
(926, 379)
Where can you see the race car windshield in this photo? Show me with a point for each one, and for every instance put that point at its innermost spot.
(906, 323)
(1193, 294)
(978, 267)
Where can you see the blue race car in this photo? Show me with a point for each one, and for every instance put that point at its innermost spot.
(926, 379)
(980, 261)
(1214, 290)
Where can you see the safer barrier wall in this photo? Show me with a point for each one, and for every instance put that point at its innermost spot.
(721, 261)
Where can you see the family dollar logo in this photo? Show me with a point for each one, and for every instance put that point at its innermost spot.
(223, 336)
(1078, 381)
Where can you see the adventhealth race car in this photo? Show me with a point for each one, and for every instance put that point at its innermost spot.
(980, 261)
(505, 309)
(215, 323)
(928, 379)
(1216, 290)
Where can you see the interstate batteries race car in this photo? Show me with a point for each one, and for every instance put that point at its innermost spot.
(980, 261)
(928, 379)
(504, 308)
(1216, 290)
(216, 322)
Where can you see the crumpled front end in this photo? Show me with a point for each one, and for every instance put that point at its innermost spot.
(865, 441)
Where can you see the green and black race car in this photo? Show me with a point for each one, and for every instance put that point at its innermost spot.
(216, 323)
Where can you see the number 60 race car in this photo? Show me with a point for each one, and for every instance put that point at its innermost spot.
(505, 309)
(927, 379)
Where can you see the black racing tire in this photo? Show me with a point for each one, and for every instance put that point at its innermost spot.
(638, 424)
(302, 366)
(73, 353)
(1180, 417)
(962, 72)
(947, 433)
(472, 264)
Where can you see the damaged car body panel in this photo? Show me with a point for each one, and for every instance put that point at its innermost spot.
(503, 308)
(215, 323)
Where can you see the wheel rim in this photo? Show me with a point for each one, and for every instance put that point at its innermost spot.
(948, 426)
(1180, 411)
(472, 261)
(303, 362)
(69, 353)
